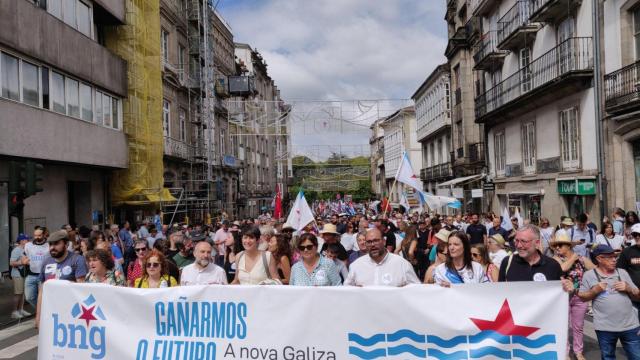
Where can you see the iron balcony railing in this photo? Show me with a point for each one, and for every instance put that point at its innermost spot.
(476, 152)
(177, 148)
(436, 172)
(515, 18)
(488, 44)
(623, 86)
(573, 54)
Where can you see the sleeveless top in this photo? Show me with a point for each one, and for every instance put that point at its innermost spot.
(576, 271)
(258, 272)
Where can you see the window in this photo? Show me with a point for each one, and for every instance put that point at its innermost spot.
(529, 147)
(57, 93)
(183, 125)
(566, 30)
(500, 153)
(525, 71)
(10, 77)
(73, 99)
(432, 153)
(165, 45)
(181, 51)
(223, 149)
(84, 18)
(98, 108)
(30, 84)
(166, 114)
(54, 7)
(106, 110)
(86, 103)
(636, 31)
(69, 12)
(74, 13)
(569, 139)
(115, 113)
(460, 135)
(440, 151)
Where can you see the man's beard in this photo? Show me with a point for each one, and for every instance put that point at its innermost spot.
(203, 262)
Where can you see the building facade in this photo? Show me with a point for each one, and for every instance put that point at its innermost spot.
(60, 106)
(376, 145)
(433, 116)
(536, 102)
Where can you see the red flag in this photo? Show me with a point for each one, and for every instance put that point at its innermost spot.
(385, 206)
(277, 213)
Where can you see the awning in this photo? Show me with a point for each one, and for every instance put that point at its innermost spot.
(524, 192)
(460, 180)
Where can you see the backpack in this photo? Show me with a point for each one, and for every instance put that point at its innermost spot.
(589, 230)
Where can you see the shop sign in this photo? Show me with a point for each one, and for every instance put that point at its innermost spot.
(476, 193)
(489, 186)
(577, 187)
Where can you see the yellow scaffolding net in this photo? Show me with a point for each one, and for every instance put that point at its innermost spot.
(138, 42)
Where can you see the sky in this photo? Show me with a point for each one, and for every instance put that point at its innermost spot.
(342, 49)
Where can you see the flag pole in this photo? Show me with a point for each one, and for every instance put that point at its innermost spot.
(395, 180)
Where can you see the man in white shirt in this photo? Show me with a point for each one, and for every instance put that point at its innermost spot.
(380, 267)
(220, 239)
(203, 271)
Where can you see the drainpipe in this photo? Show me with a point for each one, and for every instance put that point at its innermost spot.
(602, 181)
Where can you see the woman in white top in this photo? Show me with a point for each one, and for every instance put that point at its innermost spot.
(495, 245)
(608, 237)
(254, 266)
(546, 236)
(348, 239)
(459, 268)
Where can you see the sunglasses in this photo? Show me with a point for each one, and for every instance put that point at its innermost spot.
(306, 247)
(475, 254)
(152, 265)
(141, 249)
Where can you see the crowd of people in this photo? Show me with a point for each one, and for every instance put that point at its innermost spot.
(599, 266)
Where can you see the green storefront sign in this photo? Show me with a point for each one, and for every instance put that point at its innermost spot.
(577, 187)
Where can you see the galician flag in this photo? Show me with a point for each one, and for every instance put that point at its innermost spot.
(404, 202)
(300, 214)
(435, 202)
(506, 220)
(406, 175)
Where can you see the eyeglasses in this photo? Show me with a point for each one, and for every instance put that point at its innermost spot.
(635, 235)
(524, 242)
(141, 249)
(608, 257)
(152, 265)
(306, 247)
(371, 242)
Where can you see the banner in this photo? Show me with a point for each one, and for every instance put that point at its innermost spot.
(526, 320)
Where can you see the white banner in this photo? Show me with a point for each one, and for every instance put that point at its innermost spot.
(526, 320)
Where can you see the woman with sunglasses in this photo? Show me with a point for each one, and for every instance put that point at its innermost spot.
(102, 268)
(441, 257)
(313, 269)
(459, 267)
(135, 269)
(156, 273)
(573, 266)
(480, 254)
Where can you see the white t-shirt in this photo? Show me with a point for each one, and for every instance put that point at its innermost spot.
(348, 241)
(211, 275)
(393, 270)
(472, 275)
(36, 254)
(496, 257)
(616, 242)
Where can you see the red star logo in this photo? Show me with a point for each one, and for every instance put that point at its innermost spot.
(503, 324)
(87, 314)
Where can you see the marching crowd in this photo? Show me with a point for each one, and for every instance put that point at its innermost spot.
(599, 266)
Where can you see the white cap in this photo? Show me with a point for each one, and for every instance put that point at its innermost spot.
(635, 228)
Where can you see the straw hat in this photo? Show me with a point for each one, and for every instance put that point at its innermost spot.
(329, 229)
(567, 221)
(562, 239)
(443, 235)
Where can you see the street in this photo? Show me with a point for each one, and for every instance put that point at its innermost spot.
(19, 342)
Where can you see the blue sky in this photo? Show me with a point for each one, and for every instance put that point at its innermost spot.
(342, 49)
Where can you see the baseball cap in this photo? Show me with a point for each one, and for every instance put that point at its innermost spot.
(635, 228)
(22, 236)
(600, 250)
(57, 236)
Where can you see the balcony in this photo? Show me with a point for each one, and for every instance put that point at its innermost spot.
(563, 70)
(514, 28)
(482, 7)
(436, 172)
(552, 10)
(458, 41)
(486, 54)
(177, 149)
(622, 89)
(475, 154)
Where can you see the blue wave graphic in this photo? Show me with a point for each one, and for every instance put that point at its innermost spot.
(489, 334)
(366, 341)
(458, 355)
(490, 350)
(406, 348)
(535, 343)
(404, 333)
(367, 355)
(455, 341)
(547, 355)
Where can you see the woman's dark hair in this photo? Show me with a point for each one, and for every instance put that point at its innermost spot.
(103, 256)
(466, 251)
(283, 247)
(605, 225)
(164, 270)
(251, 231)
(308, 236)
(334, 248)
(631, 218)
(484, 254)
(410, 235)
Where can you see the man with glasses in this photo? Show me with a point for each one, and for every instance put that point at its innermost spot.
(380, 267)
(203, 271)
(612, 292)
(630, 260)
(528, 263)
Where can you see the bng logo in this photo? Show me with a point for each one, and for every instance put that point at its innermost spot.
(84, 332)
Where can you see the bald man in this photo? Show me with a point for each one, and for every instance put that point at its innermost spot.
(203, 271)
(380, 267)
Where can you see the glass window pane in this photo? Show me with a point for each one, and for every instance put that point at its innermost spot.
(84, 19)
(98, 108)
(86, 102)
(106, 110)
(115, 113)
(73, 99)
(69, 12)
(54, 7)
(57, 93)
(636, 20)
(10, 77)
(30, 84)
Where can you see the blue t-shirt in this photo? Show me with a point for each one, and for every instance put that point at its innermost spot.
(71, 268)
(116, 251)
